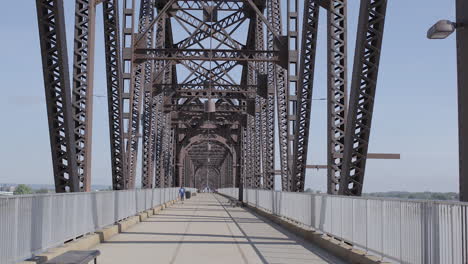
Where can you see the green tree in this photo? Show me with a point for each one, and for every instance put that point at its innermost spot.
(22, 189)
(42, 190)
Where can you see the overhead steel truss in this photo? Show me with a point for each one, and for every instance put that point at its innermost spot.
(197, 83)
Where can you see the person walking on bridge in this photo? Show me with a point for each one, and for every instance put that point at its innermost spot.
(182, 193)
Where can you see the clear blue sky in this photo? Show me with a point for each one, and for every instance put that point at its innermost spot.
(415, 112)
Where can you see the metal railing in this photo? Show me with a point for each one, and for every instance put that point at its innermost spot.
(30, 224)
(402, 231)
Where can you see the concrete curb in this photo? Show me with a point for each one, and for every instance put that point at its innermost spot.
(83, 243)
(335, 247)
(127, 223)
(89, 241)
(108, 232)
(143, 216)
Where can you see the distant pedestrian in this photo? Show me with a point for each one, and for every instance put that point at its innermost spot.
(182, 194)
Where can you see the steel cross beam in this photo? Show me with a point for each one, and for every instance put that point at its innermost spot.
(221, 5)
(337, 90)
(363, 86)
(304, 95)
(206, 55)
(51, 22)
(114, 91)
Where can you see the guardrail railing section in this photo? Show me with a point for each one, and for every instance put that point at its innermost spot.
(402, 231)
(30, 224)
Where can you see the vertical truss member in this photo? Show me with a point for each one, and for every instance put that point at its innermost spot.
(304, 95)
(258, 144)
(128, 25)
(158, 141)
(269, 183)
(363, 86)
(114, 91)
(141, 73)
(51, 21)
(150, 114)
(278, 75)
(259, 108)
(292, 87)
(82, 94)
(263, 133)
(337, 85)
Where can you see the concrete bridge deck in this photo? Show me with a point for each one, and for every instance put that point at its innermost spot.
(207, 229)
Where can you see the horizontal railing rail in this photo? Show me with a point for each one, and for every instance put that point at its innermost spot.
(30, 224)
(397, 230)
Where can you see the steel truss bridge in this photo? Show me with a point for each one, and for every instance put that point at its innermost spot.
(196, 90)
(194, 87)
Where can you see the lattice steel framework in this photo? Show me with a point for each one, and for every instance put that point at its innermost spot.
(337, 89)
(199, 82)
(82, 93)
(114, 91)
(362, 98)
(304, 95)
(51, 21)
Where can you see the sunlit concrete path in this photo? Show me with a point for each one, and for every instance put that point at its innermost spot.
(207, 229)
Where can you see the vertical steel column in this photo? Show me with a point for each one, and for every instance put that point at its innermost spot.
(248, 145)
(257, 144)
(278, 78)
(293, 87)
(128, 25)
(260, 109)
(141, 76)
(363, 86)
(114, 91)
(304, 95)
(462, 62)
(150, 111)
(82, 93)
(158, 142)
(51, 22)
(269, 178)
(337, 89)
(149, 120)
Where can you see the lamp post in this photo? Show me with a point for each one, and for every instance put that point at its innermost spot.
(441, 30)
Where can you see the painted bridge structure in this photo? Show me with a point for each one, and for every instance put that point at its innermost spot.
(199, 93)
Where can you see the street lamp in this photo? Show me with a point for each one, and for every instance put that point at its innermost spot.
(441, 30)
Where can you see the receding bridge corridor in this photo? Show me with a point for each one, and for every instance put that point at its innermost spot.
(207, 229)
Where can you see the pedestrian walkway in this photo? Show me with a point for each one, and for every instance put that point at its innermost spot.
(207, 229)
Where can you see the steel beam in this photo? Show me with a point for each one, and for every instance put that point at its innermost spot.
(52, 38)
(362, 98)
(337, 90)
(82, 93)
(128, 25)
(114, 91)
(141, 76)
(304, 95)
(277, 77)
